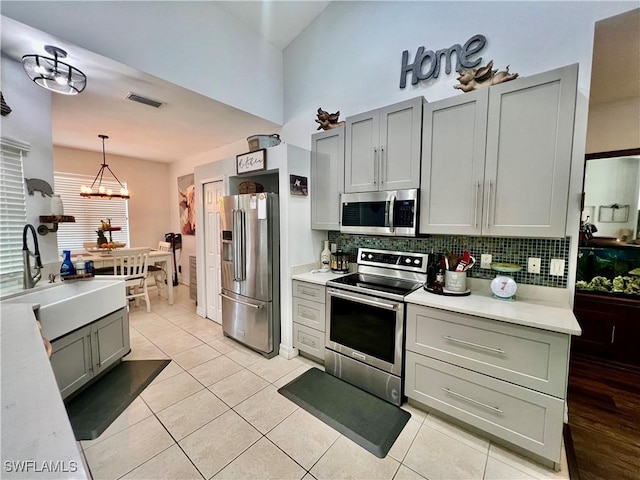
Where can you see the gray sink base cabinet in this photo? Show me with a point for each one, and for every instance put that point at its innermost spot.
(504, 380)
(84, 354)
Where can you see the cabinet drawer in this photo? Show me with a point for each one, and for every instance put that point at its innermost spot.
(310, 291)
(530, 357)
(515, 414)
(309, 341)
(309, 313)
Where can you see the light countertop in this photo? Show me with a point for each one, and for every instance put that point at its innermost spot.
(35, 426)
(320, 278)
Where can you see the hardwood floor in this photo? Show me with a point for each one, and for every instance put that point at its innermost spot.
(604, 419)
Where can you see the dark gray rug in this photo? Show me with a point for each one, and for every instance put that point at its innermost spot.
(93, 409)
(367, 420)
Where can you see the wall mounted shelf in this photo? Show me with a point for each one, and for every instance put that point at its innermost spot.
(55, 220)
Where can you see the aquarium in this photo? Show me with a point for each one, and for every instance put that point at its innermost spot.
(611, 270)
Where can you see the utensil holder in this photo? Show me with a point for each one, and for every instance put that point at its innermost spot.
(455, 281)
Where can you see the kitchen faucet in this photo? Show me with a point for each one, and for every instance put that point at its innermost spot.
(29, 281)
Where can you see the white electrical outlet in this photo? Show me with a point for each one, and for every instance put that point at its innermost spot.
(485, 260)
(557, 267)
(533, 265)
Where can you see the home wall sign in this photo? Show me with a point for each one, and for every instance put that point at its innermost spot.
(434, 60)
(251, 161)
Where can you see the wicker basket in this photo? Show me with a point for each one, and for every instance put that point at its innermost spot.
(250, 187)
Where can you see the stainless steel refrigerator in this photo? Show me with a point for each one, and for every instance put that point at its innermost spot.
(250, 256)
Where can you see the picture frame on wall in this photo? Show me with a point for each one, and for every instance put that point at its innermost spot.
(298, 185)
(251, 161)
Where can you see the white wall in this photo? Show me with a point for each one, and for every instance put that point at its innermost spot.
(196, 45)
(614, 126)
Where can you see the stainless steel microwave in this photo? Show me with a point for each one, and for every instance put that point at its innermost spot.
(393, 213)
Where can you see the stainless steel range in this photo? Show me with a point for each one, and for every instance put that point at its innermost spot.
(365, 318)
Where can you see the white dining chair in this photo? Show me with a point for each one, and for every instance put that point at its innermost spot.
(133, 264)
(159, 269)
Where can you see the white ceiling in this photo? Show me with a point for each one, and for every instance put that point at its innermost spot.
(189, 123)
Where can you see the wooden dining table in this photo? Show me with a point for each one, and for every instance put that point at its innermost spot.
(105, 259)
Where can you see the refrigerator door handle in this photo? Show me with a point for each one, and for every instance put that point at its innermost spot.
(239, 247)
(257, 307)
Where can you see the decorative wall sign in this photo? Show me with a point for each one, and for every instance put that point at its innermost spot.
(251, 161)
(433, 60)
(298, 185)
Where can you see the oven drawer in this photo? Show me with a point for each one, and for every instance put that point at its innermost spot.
(309, 341)
(515, 414)
(309, 291)
(311, 314)
(522, 355)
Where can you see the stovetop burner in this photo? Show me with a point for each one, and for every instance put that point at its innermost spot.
(379, 283)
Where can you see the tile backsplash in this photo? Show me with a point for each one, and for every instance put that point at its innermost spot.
(502, 249)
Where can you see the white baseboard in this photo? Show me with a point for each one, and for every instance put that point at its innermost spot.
(200, 312)
(288, 352)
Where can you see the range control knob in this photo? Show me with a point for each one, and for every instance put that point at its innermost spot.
(364, 255)
(417, 261)
(407, 260)
(370, 256)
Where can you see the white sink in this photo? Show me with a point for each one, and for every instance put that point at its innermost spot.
(70, 305)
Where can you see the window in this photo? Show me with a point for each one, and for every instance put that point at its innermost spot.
(88, 212)
(13, 213)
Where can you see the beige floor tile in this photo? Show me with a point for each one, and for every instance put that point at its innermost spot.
(416, 413)
(195, 356)
(262, 460)
(166, 335)
(207, 335)
(152, 326)
(214, 446)
(282, 381)
(133, 414)
(496, 470)
(223, 344)
(214, 370)
(405, 439)
(459, 433)
(169, 371)
(127, 449)
(303, 437)
(436, 456)
(149, 352)
(163, 394)
(345, 459)
(243, 356)
(170, 464)
(405, 473)
(266, 409)
(274, 368)
(529, 466)
(308, 476)
(186, 416)
(180, 344)
(238, 387)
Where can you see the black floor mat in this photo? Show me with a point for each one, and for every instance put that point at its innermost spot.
(367, 420)
(92, 410)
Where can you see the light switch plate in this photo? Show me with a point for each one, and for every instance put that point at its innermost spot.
(557, 267)
(485, 260)
(533, 265)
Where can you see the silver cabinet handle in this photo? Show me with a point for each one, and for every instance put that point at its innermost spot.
(364, 300)
(358, 355)
(98, 348)
(489, 202)
(241, 302)
(311, 293)
(308, 316)
(469, 399)
(475, 208)
(375, 166)
(475, 345)
(382, 166)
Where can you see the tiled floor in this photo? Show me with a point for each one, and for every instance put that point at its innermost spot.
(214, 412)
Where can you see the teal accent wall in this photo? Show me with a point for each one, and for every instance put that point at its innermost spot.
(503, 249)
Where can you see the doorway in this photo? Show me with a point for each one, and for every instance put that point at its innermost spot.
(213, 306)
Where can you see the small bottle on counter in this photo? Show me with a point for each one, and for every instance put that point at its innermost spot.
(438, 284)
(67, 267)
(79, 265)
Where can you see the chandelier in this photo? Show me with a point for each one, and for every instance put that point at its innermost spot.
(99, 191)
(52, 74)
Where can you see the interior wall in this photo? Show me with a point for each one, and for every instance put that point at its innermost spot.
(150, 199)
(614, 126)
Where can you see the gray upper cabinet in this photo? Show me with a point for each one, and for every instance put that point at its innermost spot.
(497, 161)
(327, 178)
(382, 148)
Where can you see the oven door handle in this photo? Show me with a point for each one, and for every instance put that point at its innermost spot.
(364, 299)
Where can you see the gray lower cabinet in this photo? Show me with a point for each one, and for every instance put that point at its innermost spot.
(309, 319)
(83, 354)
(327, 178)
(507, 380)
(497, 161)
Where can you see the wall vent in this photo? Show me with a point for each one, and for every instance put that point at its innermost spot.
(146, 101)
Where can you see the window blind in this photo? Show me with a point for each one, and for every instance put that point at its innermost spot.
(88, 212)
(13, 214)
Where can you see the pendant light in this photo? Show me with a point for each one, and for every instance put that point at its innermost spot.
(52, 74)
(98, 191)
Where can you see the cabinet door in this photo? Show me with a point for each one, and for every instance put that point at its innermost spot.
(111, 339)
(451, 189)
(528, 155)
(400, 144)
(71, 361)
(362, 152)
(327, 178)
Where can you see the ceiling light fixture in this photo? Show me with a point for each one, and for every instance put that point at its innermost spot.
(52, 74)
(99, 191)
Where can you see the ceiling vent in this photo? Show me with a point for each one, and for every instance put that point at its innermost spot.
(146, 101)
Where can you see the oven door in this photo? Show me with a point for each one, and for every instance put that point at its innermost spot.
(366, 328)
